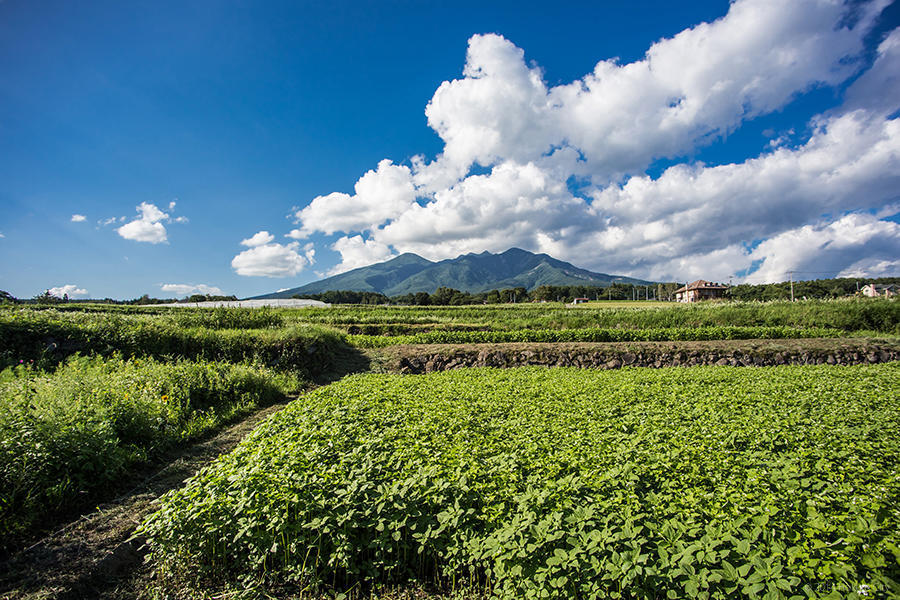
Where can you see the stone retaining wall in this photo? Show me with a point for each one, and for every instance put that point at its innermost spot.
(429, 359)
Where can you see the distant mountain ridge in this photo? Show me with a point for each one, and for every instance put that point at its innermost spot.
(473, 273)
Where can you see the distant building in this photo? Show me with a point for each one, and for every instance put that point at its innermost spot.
(580, 300)
(876, 290)
(700, 290)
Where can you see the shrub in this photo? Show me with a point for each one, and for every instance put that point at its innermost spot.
(66, 436)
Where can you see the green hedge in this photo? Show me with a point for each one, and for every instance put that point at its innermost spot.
(66, 436)
(710, 482)
(48, 336)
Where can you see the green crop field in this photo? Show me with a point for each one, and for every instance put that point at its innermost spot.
(535, 483)
(700, 482)
(595, 334)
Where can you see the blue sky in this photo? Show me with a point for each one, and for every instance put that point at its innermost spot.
(242, 147)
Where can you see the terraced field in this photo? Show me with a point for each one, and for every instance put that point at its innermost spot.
(612, 480)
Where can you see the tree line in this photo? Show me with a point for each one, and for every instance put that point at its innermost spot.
(446, 296)
(47, 298)
(813, 288)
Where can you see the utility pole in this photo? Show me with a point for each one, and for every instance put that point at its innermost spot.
(792, 286)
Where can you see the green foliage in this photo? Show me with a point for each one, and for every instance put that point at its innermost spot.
(847, 315)
(228, 318)
(66, 436)
(7, 298)
(815, 288)
(708, 482)
(346, 297)
(593, 335)
(48, 336)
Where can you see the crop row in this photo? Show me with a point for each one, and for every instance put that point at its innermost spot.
(712, 482)
(66, 436)
(848, 315)
(594, 335)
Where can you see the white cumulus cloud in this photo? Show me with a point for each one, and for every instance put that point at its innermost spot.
(266, 259)
(68, 289)
(147, 227)
(258, 239)
(381, 195)
(76, 218)
(357, 252)
(186, 289)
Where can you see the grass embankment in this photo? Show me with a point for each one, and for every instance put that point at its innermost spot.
(232, 335)
(535, 483)
(66, 437)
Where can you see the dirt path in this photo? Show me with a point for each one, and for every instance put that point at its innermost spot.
(95, 557)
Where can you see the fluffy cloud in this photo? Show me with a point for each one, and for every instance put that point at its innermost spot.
(688, 90)
(185, 289)
(878, 89)
(859, 240)
(357, 252)
(147, 227)
(381, 195)
(266, 259)
(68, 289)
(565, 165)
(259, 238)
(78, 218)
(514, 205)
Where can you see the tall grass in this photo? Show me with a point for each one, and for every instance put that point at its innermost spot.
(66, 436)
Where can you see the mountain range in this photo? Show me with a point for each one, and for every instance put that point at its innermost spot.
(473, 273)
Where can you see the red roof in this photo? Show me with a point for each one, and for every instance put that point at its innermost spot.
(702, 284)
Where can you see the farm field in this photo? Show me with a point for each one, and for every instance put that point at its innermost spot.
(92, 392)
(705, 482)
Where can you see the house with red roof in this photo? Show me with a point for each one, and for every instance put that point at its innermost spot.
(700, 290)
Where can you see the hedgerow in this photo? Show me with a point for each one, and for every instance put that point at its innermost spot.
(710, 482)
(66, 436)
(48, 336)
(594, 335)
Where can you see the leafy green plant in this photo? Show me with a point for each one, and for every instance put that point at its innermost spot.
(710, 482)
(66, 436)
(227, 318)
